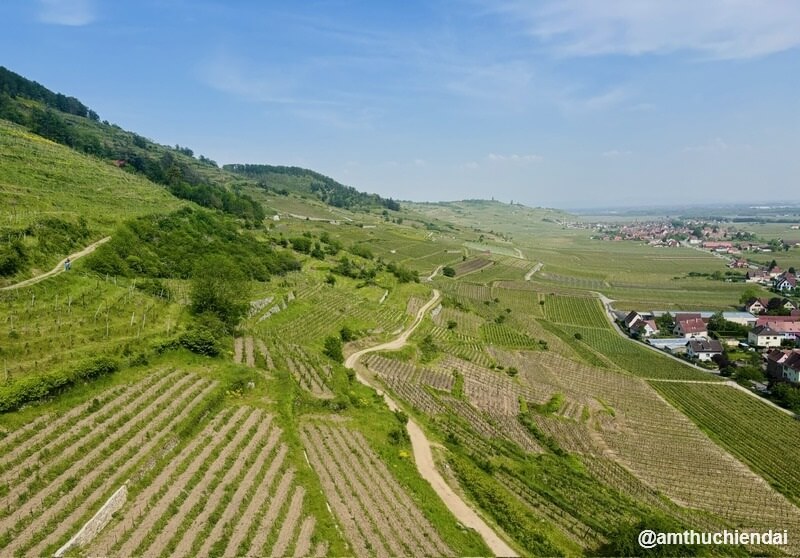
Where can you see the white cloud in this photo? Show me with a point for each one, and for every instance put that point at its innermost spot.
(716, 145)
(67, 12)
(720, 29)
(513, 158)
(616, 153)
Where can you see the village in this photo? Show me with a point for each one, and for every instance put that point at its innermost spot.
(758, 344)
(719, 238)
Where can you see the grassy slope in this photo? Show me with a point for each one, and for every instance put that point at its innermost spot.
(41, 178)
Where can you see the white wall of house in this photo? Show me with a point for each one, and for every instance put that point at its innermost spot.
(791, 374)
(765, 340)
(705, 357)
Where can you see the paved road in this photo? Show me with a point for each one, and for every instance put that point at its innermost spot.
(421, 446)
(59, 268)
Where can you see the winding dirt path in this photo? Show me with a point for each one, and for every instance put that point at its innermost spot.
(59, 268)
(421, 446)
(430, 277)
(533, 270)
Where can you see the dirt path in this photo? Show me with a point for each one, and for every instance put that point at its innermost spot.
(422, 446)
(430, 277)
(533, 270)
(520, 255)
(59, 268)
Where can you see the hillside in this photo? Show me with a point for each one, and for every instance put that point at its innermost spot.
(285, 179)
(56, 200)
(262, 361)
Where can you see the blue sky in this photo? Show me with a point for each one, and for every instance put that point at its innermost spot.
(563, 103)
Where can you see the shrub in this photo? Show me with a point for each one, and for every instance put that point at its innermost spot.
(448, 271)
(199, 340)
(333, 349)
(34, 388)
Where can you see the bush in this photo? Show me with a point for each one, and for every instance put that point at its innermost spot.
(448, 271)
(200, 340)
(34, 388)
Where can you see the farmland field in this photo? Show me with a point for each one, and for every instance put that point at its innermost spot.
(740, 423)
(376, 513)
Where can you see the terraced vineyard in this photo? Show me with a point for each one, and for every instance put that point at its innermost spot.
(653, 440)
(53, 322)
(319, 312)
(229, 492)
(86, 454)
(635, 358)
(505, 336)
(378, 517)
(762, 437)
(471, 265)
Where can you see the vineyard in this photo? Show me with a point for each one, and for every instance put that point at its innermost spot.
(80, 458)
(376, 514)
(586, 312)
(229, 492)
(762, 437)
(316, 313)
(635, 358)
(472, 265)
(653, 440)
(505, 336)
(311, 373)
(52, 322)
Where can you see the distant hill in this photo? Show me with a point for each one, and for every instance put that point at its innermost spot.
(284, 179)
(67, 121)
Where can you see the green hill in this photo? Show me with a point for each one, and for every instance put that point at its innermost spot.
(285, 179)
(56, 200)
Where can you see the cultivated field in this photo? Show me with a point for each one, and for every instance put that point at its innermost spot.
(377, 515)
(56, 476)
(762, 437)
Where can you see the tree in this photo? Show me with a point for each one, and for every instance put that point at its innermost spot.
(748, 294)
(220, 288)
(347, 334)
(333, 348)
(665, 322)
(448, 271)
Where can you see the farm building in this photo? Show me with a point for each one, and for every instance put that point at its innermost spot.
(741, 318)
(671, 344)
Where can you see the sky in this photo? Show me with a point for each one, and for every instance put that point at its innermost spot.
(556, 103)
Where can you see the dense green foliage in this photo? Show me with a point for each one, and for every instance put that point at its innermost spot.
(171, 245)
(220, 288)
(14, 85)
(323, 187)
(33, 388)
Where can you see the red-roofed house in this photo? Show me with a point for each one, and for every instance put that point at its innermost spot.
(690, 327)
